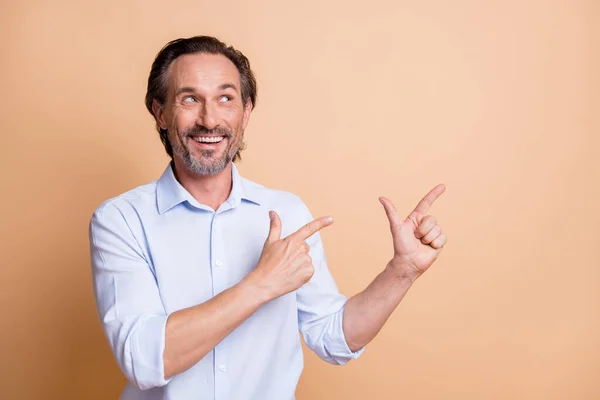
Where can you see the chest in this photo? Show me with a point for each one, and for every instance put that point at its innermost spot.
(195, 256)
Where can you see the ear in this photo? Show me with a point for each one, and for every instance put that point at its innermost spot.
(159, 114)
(247, 112)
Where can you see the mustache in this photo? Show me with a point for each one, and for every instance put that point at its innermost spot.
(202, 130)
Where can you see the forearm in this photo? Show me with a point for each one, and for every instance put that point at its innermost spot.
(283, 267)
(192, 332)
(366, 312)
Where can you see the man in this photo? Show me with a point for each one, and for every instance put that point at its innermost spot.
(203, 278)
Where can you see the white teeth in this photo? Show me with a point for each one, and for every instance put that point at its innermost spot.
(213, 139)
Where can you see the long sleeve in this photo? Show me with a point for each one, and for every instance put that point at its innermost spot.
(321, 308)
(127, 298)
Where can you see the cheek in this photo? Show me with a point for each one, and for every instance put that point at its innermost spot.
(233, 114)
(182, 119)
(238, 123)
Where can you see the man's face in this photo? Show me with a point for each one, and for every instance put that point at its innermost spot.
(204, 113)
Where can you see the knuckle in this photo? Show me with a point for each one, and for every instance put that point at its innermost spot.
(439, 242)
(429, 222)
(310, 271)
(306, 262)
(298, 243)
(433, 232)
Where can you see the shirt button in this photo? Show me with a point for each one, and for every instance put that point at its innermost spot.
(218, 263)
(222, 368)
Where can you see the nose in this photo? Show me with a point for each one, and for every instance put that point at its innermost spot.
(207, 116)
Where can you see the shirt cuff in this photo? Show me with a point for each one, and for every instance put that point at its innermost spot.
(337, 345)
(147, 348)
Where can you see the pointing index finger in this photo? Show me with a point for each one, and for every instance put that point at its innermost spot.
(311, 228)
(427, 201)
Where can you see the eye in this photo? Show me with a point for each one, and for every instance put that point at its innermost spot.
(224, 99)
(189, 99)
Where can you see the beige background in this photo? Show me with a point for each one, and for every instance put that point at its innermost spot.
(497, 99)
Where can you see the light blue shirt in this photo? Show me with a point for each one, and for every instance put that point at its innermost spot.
(156, 250)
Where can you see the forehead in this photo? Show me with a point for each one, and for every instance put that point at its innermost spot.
(202, 71)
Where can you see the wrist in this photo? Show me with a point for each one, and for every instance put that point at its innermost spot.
(402, 271)
(255, 291)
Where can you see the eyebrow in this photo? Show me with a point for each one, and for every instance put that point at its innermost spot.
(185, 89)
(228, 86)
(189, 89)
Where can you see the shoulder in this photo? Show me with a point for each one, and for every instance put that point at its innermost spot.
(292, 210)
(272, 198)
(129, 202)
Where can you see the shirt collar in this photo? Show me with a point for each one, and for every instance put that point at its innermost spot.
(170, 193)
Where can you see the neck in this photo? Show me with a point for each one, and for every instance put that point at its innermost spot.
(210, 190)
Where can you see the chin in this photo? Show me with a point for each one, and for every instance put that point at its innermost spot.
(207, 169)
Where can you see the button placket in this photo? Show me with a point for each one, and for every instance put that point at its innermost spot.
(220, 279)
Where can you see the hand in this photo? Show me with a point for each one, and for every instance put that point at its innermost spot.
(285, 264)
(418, 240)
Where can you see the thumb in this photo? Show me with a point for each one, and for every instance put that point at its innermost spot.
(391, 213)
(275, 229)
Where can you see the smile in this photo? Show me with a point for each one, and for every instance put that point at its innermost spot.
(208, 139)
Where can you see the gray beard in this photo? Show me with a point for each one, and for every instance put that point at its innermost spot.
(198, 165)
